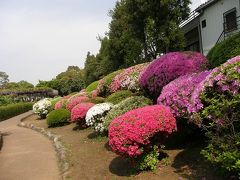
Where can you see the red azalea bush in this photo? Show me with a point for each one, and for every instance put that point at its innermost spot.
(79, 112)
(128, 79)
(72, 102)
(169, 67)
(130, 134)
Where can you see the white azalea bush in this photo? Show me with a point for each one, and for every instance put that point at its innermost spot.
(95, 116)
(42, 107)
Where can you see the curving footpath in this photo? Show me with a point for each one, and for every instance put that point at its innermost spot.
(26, 154)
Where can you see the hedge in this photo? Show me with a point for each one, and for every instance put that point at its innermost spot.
(118, 96)
(59, 117)
(92, 86)
(223, 51)
(12, 110)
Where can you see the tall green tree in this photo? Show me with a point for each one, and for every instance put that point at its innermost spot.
(71, 80)
(3, 79)
(141, 30)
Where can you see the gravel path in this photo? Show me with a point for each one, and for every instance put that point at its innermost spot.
(26, 154)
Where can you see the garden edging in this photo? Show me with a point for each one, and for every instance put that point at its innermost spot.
(58, 145)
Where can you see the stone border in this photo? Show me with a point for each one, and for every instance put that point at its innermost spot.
(58, 145)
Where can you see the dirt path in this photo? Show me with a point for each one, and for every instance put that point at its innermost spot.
(26, 154)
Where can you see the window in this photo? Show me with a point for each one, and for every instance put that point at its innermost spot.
(204, 23)
(230, 20)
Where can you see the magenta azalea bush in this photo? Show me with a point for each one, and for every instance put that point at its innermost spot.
(72, 102)
(79, 112)
(169, 67)
(177, 94)
(128, 79)
(130, 134)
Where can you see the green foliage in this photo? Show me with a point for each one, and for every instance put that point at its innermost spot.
(97, 100)
(91, 87)
(148, 160)
(12, 110)
(104, 84)
(141, 30)
(118, 96)
(220, 117)
(125, 106)
(3, 79)
(223, 51)
(5, 100)
(54, 101)
(58, 117)
(72, 80)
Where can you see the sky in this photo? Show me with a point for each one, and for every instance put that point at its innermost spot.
(41, 38)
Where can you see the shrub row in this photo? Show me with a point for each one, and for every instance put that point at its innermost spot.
(12, 110)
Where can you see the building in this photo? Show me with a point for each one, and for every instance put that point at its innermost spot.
(210, 23)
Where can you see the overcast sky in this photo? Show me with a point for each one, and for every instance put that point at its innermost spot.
(41, 38)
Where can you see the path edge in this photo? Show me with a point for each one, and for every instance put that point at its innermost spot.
(56, 141)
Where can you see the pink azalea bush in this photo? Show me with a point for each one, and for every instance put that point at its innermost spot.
(62, 102)
(177, 94)
(169, 67)
(79, 112)
(130, 134)
(72, 102)
(223, 80)
(128, 79)
(103, 88)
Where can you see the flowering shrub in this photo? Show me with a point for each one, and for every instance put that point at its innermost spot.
(125, 106)
(95, 116)
(128, 78)
(133, 133)
(79, 112)
(42, 107)
(75, 101)
(217, 109)
(62, 102)
(222, 84)
(177, 94)
(54, 101)
(169, 67)
(103, 88)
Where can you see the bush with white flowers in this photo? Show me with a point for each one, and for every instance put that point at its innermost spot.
(42, 107)
(95, 116)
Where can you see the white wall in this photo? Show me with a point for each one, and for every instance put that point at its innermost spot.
(214, 20)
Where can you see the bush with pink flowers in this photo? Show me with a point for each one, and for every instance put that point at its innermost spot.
(73, 101)
(62, 102)
(169, 67)
(103, 88)
(137, 132)
(79, 112)
(177, 94)
(128, 79)
(216, 108)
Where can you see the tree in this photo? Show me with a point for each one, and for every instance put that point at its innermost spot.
(141, 30)
(24, 84)
(3, 79)
(92, 72)
(71, 80)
